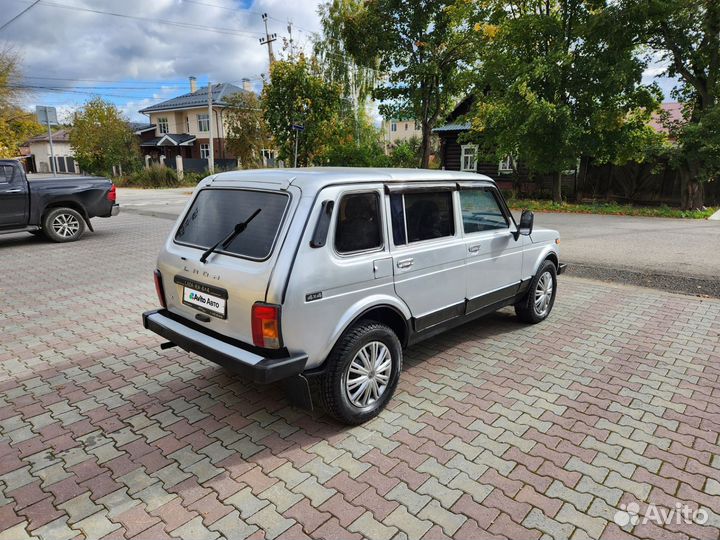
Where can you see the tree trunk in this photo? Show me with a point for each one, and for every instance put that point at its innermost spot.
(425, 147)
(557, 187)
(691, 189)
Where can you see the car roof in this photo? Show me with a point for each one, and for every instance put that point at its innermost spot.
(316, 178)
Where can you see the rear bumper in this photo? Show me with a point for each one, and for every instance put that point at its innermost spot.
(561, 268)
(115, 210)
(225, 352)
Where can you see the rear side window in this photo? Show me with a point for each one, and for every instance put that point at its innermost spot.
(358, 223)
(6, 174)
(421, 216)
(215, 212)
(481, 211)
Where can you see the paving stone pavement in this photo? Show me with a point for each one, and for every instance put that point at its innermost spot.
(497, 429)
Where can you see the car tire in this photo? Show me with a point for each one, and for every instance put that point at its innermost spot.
(367, 344)
(537, 304)
(63, 225)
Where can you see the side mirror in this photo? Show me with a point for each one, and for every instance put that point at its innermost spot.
(526, 223)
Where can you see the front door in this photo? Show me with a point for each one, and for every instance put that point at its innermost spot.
(494, 257)
(13, 198)
(428, 254)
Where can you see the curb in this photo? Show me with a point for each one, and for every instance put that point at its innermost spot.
(677, 283)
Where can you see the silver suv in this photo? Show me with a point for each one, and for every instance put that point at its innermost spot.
(323, 275)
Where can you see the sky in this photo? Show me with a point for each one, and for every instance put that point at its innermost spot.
(145, 52)
(68, 46)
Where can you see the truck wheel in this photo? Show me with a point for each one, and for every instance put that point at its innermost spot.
(63, 225)
(539, 300)
(362, 373)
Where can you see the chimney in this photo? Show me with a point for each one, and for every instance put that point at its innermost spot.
(193, 85)
(247, 86)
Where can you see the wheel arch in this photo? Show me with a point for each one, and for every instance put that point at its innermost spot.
(73, 205)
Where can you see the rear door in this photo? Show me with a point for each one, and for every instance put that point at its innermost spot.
(494, 257)
(13, 198)
(220, 292)
(428, 252)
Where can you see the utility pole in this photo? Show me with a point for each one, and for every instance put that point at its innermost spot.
(289, 27)
(268, 40)
(211, 147)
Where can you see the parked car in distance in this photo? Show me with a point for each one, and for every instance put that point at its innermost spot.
(59, 208)
(327, 273)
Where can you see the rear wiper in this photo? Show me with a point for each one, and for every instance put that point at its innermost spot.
(240, 227)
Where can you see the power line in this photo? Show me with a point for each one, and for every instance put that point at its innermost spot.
(179, 24)
(16, 17)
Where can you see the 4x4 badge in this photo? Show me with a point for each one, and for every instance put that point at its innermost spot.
(313, 296)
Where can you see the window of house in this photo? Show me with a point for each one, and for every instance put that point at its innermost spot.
(393, 127)
(421, 216)
(468, 157)
(406, 126)
(163, 126)
(506, 165)
(358, 223)
(203, 122)
(481, 211)
(187, 124)
(204, 151)
(417, 125)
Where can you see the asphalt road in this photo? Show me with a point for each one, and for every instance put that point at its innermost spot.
(679, 255)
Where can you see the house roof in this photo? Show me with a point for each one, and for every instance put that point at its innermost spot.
(140, 127)
(62, 135)
(199, 98)
(171, 139)
(452, 127)
(674, 114)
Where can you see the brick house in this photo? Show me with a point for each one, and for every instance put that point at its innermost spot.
(182, 124)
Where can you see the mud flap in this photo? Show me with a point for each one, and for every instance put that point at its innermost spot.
(298, 392)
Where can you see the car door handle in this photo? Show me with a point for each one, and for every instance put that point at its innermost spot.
(474, 249)
(405, 263)
(14, 190)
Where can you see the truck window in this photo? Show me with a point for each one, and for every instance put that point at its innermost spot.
(421, 216)
(358, 223)
(6, 174)
(215, 212)
(481, 211)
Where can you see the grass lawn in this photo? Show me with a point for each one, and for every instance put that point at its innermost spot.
(614, 209)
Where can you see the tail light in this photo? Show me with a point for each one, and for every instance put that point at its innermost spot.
(159, 288)
(266, 326)
(112, 194)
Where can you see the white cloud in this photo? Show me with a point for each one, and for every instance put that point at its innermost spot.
(72, 44)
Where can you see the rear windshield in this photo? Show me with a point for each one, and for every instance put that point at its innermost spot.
(215, 212)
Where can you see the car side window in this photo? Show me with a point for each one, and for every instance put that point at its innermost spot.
(421, 216)
(358, 223)
(6, 174)
(481, 211)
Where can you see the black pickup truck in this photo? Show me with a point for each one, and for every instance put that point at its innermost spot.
(59, 208)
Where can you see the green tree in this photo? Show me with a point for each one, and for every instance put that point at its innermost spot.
(424, 50)
(247, 130)
(101, 138)
(16, 125)
(297, 93)
(559, 79)
(686, 34)
(351, 145)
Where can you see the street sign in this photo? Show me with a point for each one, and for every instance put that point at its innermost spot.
(298, 127)
(46, 115)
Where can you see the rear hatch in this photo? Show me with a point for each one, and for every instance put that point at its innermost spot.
(220, 293)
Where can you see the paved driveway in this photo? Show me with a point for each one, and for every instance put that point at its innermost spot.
(497, 429)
